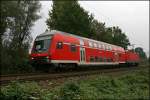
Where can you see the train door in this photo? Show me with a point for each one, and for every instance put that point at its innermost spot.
(82, 55)
(116, 57)
(82, 51)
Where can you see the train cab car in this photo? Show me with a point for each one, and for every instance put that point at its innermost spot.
(55, 47)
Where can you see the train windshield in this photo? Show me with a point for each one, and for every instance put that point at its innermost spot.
(41, 45)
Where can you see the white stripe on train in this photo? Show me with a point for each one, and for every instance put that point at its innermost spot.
(85, 63)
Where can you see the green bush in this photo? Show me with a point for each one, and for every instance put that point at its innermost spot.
(131, 86)
(69, 91)
(18, 91)
(15, 61)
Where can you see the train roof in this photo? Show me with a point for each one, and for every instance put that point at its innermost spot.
(47, 33)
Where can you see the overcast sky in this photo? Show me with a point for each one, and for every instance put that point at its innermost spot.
(131, 16)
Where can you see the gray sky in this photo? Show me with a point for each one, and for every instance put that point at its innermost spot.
(131, 16)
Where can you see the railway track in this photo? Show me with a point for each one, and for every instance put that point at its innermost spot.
(5, 79)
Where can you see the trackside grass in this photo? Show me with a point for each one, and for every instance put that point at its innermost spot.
(130, 86)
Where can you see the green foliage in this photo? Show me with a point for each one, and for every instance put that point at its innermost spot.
(137, 85)
(141, 53)
(25, 91)
(70, 91)
(15, 61)
(113, 35)
(69, 16)
(131, 86)
(18, 91)
(98, 30)
(17, 18)
(119, 38)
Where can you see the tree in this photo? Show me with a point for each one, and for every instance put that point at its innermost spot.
(98, 30)
(69, 17)
(113, 35)
(118, 37)
(17, 18)
(20, 17)
(108, 36)
(141, 53)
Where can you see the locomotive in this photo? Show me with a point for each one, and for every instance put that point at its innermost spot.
(61, 48)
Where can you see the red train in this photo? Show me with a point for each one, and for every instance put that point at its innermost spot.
(59, 48)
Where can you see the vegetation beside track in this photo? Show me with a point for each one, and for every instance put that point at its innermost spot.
(130, 86)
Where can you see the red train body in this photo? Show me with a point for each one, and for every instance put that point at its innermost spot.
(56, 47)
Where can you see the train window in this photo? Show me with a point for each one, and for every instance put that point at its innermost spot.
(111, 60)
(95, 45)
(108, 59)
(103, 46)
(41, 45)
(91, 59)
(73, 48)
(90, 44)
(104, 59)
(100, 59)
(107, 48)
(110, 48)
(96, 59)
(59, 45)
(100, 46)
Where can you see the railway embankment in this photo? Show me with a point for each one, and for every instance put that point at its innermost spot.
(129, 84)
